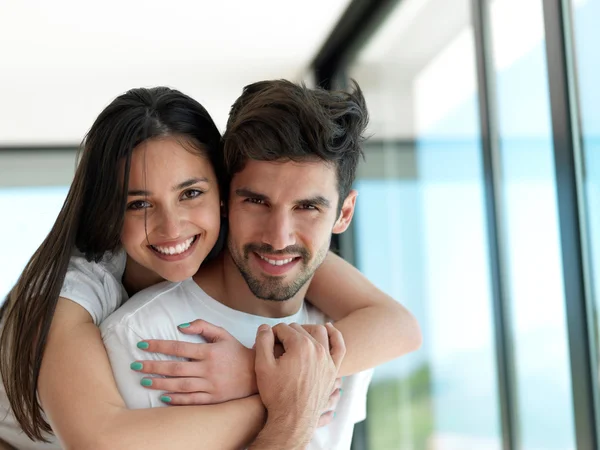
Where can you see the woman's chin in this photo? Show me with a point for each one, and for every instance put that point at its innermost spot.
(179, 276)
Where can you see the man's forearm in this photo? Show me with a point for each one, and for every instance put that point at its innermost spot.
(285, 433)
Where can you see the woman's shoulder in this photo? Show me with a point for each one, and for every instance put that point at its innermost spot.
(94, 285)
(112, 263)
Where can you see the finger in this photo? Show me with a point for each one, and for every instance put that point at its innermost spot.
(178, 385)
(325, 419)
(170, 368)
(319, 333)
(287, 335)
(302, 332)
(207, 330)
(278, 350)
(336, 341)
(182, 349)
(338, 383)
(194, 398)
(333, 400)
(265, 340)
(300, 329)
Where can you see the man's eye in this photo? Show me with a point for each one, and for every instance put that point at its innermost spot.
(192, 193)
(308, 207)
(138, 204)
(256, 201)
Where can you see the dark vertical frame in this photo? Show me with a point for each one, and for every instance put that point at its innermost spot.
(493, 206)
(358, 23)
(360, 20)
(567, 160)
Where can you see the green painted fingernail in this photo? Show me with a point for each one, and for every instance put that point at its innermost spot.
(136, 366)
(166, 399)
(184, 325)
(146, 382)
(341, 391)
(143, 345)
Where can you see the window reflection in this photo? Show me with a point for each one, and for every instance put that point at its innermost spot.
(420, 231)
(29, 213)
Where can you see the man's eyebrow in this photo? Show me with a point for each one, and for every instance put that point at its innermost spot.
(319, 200)
(245, 192)
(180, 186)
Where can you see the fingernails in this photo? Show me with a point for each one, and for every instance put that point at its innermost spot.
(263, 327)
(165, 398)
(341, 391)
(136, 366)
(143, 345)
(184, 325)
(334, 415)
(146, 382)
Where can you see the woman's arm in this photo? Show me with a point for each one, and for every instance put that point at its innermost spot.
(80, 398)
(375, 327)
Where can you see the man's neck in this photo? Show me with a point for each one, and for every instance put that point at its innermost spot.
(222, 280)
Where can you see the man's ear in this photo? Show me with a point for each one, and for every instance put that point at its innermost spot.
(346, 214)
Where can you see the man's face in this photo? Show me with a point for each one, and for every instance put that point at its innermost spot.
(281, 216)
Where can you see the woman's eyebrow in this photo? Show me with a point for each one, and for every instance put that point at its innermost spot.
(190, 182)
(182, 185)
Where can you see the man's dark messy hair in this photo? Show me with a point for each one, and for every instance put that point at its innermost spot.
(278, 120)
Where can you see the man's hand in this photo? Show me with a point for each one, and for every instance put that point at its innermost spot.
(296, 387)
(218, 371)
(327, 415)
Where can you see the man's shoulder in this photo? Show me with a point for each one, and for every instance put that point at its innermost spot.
(147, 303)
(314, 315)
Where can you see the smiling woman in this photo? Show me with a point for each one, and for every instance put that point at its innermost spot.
(169, 229)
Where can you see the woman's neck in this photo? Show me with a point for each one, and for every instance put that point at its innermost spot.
(137, 277)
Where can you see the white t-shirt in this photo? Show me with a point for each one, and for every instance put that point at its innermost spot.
(154, 313)
(96, 286)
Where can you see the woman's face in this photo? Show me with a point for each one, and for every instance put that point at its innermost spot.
(173, 208)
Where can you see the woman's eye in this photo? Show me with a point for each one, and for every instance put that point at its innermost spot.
(138, 204)
(192, 193)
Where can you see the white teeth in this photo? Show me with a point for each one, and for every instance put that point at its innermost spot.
(274, 262)
(178, 249)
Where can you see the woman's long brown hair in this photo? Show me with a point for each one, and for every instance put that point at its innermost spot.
(90, 220)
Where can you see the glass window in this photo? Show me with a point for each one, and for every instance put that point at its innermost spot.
(33, 187)
(420, 229)
(531, 241)
(586, 16)
(32, 213)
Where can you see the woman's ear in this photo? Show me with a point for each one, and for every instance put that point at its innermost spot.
(346, 213)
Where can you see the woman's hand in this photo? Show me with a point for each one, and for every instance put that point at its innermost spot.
(218, 371)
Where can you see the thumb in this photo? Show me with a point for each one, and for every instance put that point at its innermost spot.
(265, 340)
(207, 330)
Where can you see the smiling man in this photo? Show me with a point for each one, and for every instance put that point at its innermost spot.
(291, 154)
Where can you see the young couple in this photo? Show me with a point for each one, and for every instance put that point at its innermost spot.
(238, 348)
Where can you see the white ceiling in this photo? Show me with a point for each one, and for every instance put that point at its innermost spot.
(62, 61)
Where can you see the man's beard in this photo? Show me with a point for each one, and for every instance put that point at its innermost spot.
(274, 288)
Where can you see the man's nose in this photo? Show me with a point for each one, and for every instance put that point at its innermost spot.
(279, 230)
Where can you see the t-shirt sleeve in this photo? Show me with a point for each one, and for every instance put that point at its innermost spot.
(92, 286)
(358, 384)
(120, 343)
